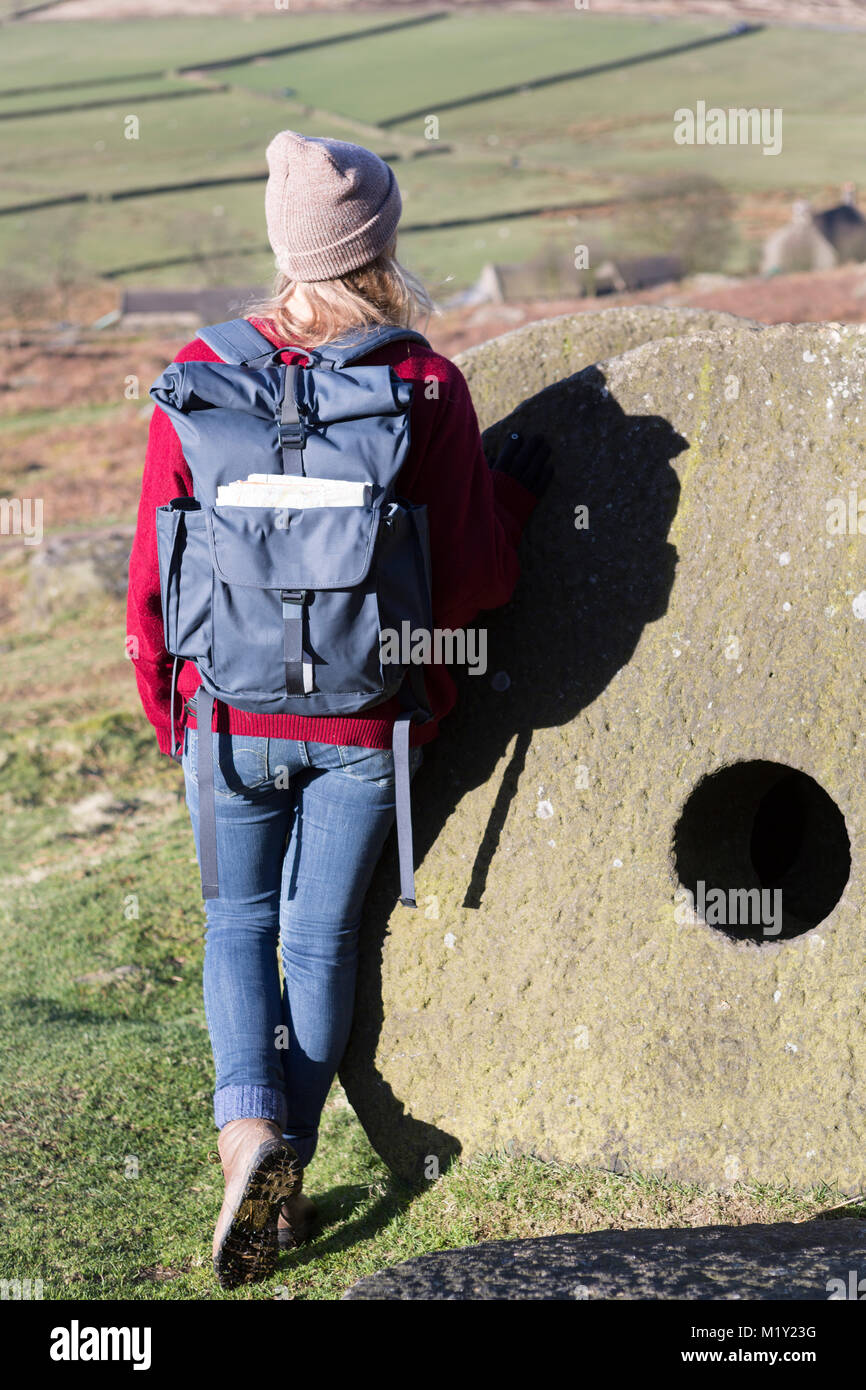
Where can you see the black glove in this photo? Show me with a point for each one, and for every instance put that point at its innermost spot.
(527, 461)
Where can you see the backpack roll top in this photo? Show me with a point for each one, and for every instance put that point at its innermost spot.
(353, 421)
(223, 432)
(351, 394)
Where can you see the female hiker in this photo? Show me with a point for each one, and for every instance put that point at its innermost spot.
(332, 210)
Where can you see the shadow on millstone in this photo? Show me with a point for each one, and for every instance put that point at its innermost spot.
(790, 1262)
(583, 599)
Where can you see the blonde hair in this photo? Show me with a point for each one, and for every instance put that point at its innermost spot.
(382, 291)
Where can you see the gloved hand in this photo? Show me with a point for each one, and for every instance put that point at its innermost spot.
(527, 461)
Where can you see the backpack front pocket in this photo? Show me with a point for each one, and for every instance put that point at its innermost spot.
(294, 604)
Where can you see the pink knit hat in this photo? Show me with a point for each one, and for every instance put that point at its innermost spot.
(330, 206)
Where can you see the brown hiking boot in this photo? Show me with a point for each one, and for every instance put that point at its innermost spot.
(297, 1219)
(261, 1172)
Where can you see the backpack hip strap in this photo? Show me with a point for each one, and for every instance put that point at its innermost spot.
(204, 703)
(413, 695)
(403, 798)
(173, 697)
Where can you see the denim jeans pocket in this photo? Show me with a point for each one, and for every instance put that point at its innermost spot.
(374, 764)
(240, 764)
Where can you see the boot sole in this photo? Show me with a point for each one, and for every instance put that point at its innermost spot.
(248, 1250)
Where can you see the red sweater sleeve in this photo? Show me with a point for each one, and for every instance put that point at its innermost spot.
(166, 475)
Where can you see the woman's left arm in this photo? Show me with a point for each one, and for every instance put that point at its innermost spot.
(166, 475)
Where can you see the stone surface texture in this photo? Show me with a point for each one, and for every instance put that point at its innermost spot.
(507, 370)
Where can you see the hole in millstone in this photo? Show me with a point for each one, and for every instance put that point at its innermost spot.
(764, 851)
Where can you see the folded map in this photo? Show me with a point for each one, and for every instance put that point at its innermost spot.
(287, 490)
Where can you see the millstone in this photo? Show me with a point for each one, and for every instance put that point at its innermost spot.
(561, 989)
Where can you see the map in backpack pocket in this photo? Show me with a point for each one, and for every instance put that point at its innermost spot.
(281, 490)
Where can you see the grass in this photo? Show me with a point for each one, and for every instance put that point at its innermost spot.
(457, 58)
(588, 137)
(73, 415)
(37, 54)
(216, 221)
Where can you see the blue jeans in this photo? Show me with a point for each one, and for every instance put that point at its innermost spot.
(300, 827)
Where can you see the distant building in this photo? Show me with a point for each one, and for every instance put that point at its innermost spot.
(844, 227)
(817, 240)
(799, 246)
(622, 273)
(555, 276)
(552, 275)
(188, 308)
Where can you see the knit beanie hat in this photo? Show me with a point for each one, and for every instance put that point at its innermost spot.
(330, 206)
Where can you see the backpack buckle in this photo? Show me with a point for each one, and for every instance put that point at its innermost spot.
(292, 434)
(299, 596)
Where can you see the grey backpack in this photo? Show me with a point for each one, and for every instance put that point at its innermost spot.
(281, 609)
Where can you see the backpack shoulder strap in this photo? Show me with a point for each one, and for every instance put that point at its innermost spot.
(359, 341)
(236, 341)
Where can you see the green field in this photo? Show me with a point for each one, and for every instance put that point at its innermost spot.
(576, 141)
